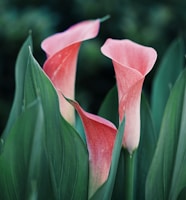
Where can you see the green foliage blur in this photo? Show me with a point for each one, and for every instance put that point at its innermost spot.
(152, 23)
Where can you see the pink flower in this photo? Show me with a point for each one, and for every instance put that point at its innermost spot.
(132, 62)
(100, 136)
(62, 52)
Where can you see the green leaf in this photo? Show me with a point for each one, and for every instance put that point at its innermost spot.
(143, 157)
(23, 161)
(21, 64)
(106, 190)
(119, 185)
(66, 152)
(182, 194)
(109, 107)
(146, 149)
(168, 71)
(79, 128)
(167, 174)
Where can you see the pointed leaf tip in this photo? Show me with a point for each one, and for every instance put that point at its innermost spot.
(105, 18)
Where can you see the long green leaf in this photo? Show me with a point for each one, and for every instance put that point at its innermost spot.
(79, 128)
(23, 162)
(143, 157)
(168, 71)
(146, 148)
(67, 154)
(182, 194)
(167, 174)
(20, 70)
(105, 192)
(119, 185)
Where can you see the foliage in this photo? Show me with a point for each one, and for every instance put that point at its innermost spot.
(42, 156)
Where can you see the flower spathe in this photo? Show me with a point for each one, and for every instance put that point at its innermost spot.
(132, 62)
(62, 51)
(100, 137)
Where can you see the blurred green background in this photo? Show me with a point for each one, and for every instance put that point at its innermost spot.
(152, 23)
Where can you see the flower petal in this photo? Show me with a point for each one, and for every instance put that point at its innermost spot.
(77, 33)
(100, 136)
(62, 51)
(132, 62)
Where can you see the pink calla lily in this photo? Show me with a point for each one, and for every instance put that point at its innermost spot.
(62, 52)
(100, 136)
(132, 62)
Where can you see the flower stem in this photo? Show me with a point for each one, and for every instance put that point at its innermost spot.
(129, 175)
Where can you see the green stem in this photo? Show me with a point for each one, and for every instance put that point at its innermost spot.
(128, 175)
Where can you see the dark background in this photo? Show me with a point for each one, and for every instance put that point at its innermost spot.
(151, 23)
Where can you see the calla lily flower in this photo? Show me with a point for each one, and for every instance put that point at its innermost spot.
(132, 62)
(62, 52)
(100, 136)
